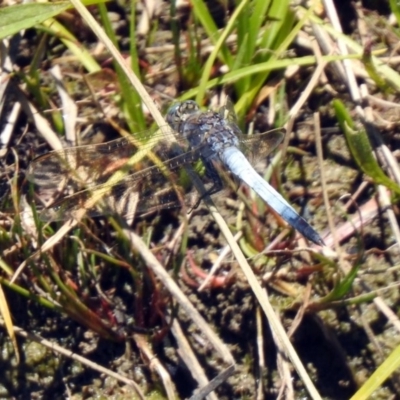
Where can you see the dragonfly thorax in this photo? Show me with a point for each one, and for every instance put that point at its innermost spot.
(209, 129)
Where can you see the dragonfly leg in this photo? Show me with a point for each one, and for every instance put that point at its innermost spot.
(212, 173)
(217, 183)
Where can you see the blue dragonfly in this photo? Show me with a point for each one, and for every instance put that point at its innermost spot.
(156, 181)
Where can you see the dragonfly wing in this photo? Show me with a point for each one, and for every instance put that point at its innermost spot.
(108, 201)
(158, 185)
(227, 111)
(253, 146)
(262, 144)
(82, 166)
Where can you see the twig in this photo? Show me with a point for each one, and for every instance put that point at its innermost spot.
(189, 358)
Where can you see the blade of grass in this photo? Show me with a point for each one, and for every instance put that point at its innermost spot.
(131, 99)
(233, 76)
(247, 98)
(32, 297)
(251, 24)
(201, 12)
(218, 46)
(361, 149)
(70, 41)
(381, 374)
(382, 67)
(395, 7)
(77, 310)
(343, 287)
(5, 313)
(16, 18)
(281, 24)
(373, 73)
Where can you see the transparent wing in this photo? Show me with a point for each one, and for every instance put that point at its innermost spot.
(157, 186)
(227, 111)
(260, 144)
(75, 174)
(253, 146)
(89, 165)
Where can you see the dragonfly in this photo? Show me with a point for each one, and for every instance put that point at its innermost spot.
(162, 177)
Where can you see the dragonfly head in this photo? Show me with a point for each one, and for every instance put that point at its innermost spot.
(179, 113)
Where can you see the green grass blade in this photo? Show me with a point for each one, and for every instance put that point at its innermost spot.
(18, 17)
(257, 19)
(272, 65)
(131, 100)
(248, 30)
(373, 72)
(247, 98)
(23, 16)
(361, 149)
(218, 46)
(279, 27)
(70, 41)
(395, 7)
(343, 287)
(383, 372)
(136, 101)
(202, 14)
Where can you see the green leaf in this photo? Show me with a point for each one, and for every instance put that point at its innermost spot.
(383, 68)
(343, 287)
(131, 100)
(283, 20)
(23, 16)
(390, 365)
(395, 7)
(70, 41)
(201, 11)
(218, 47)
(361, 149)
(271, 65)
(15, 18)
(373, 73)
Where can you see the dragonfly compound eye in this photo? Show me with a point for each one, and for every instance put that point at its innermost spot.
(189, 107)
(174, 116)
(179, 113)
